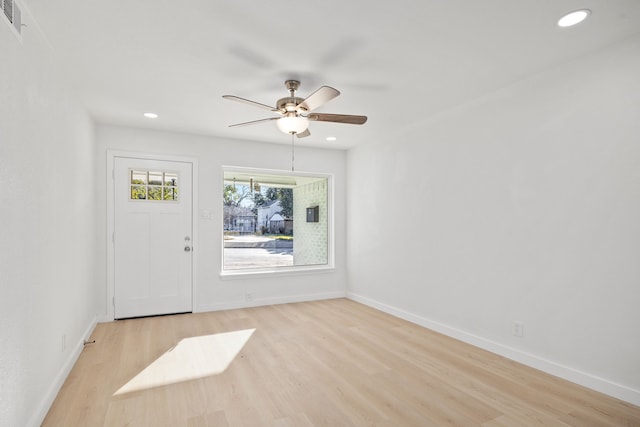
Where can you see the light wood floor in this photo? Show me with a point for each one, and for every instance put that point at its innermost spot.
(324, 363)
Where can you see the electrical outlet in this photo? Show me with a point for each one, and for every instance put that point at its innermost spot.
(517, 328)
(248, 296)
(63, 343)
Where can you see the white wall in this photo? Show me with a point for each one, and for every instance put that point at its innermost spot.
(214, 292)
(47, 217)
(524, 205)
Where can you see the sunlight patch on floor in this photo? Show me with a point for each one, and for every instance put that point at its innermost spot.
(191, 358)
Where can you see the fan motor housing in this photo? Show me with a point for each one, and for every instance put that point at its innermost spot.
(288, 104)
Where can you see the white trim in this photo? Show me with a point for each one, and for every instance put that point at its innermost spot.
(43, 408)
(111, 156)
(276, 271)
(259, 302)
(585, 379)
(195, 235)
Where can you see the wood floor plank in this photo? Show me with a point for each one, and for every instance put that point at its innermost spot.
(322, 363)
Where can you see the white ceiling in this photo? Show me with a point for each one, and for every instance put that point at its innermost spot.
(397, 62)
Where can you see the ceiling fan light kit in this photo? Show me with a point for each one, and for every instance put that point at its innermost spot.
(293, 124)
(294, 111)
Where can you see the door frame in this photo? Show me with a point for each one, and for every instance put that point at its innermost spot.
(111, 159)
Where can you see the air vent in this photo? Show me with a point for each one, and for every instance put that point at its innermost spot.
(8, 9)
(12, 14)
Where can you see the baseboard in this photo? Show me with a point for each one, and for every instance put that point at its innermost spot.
(104, 318)
(42, 409)
(257, 302)
(585, 379)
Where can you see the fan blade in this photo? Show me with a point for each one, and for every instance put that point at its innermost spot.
(338, 118)
(248, 101)
(318, 98)
(303, 134)
(254, 122)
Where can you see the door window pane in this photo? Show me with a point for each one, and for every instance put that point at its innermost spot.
(139, 177)
(153, 185)
(170, 179)
(155, 193)
(170, 193)
(155, 178)
(138, 192)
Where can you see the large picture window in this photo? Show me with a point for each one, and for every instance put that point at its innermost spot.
(274, 221)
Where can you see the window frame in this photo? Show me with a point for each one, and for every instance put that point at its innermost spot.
(280, 270)
(147, 186)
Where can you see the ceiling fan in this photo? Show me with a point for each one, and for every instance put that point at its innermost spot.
(295, 113)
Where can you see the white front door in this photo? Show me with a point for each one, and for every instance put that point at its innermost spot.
(152, 237)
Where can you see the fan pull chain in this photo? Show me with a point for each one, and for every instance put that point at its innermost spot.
(292, 150)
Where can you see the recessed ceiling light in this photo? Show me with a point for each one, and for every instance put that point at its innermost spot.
(573, 18)
(151, 115)
(331, 138)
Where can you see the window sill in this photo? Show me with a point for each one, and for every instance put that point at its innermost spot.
(280, 271)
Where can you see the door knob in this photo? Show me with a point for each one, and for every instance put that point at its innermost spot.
(187, 248)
